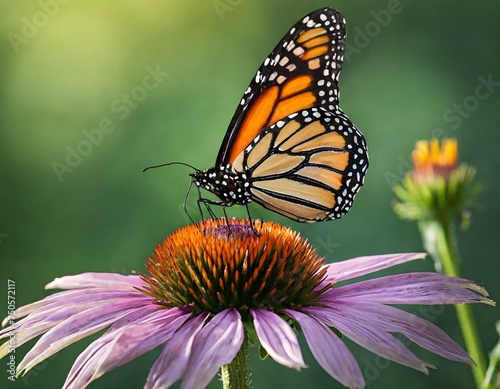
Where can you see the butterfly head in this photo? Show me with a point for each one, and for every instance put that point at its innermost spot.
(230, 186)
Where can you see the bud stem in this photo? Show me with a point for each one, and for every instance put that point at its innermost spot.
(234, 375)
(438, 236)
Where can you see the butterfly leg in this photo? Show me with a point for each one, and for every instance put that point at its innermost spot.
(207, 203)
(184, 204)
(225, 215)
(251, 221)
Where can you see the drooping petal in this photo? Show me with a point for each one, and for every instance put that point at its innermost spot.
(52, 310)
(360, 266)
(50, 315)
(70, 298)
(330, 352)
(36, 324)
(78, 326)
(23, 311)
(216, 344)
(96, 280)
(418, 330)
(411, 288)
(118, 347)
(82, 372)
(173, 360)
(369, 336)
(277, 338)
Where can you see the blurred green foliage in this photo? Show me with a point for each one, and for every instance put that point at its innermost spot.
(413, 70)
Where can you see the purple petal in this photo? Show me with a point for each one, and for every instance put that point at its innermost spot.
(96, 280)
(105, 286)
(74, 297)
(39, 322)
(330, 352)
(215, 345)
(173, 360)
(52, 313)
(116, 348)
(411, 288)
(356, 267)
(78, 326)
(139, 337)
(277, 338)
(418, 330)
(23, 311)
(82, 376)
(36, 324)
(49, 312)
(369, 336)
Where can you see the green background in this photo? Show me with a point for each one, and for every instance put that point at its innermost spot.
(409, 66)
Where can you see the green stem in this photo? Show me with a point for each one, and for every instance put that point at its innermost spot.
(234, 375)
(440, 241)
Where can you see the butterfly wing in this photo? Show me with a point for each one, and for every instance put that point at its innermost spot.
(308, 166)
(300, 73)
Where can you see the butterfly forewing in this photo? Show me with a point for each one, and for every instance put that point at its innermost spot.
(300, 73)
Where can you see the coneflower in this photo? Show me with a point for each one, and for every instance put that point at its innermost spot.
(214, 289)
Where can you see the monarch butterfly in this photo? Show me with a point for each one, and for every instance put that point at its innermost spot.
(289, 147)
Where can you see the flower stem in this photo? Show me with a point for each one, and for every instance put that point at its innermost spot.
(439, 240)
(234, 374)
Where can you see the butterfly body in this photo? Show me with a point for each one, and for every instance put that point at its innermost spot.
(230, 186)
(289, 147)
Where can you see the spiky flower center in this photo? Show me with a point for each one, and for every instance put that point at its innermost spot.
(214, 266)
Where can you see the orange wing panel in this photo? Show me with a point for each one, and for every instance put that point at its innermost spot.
(293, 104)
(255, 121)
(295, 85)
(310, 34)
(315, 52)
(316, 41)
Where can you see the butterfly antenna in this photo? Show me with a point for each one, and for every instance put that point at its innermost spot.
(171, 163)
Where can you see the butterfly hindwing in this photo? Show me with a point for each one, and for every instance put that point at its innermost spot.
(300, 73)
(308, 166)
